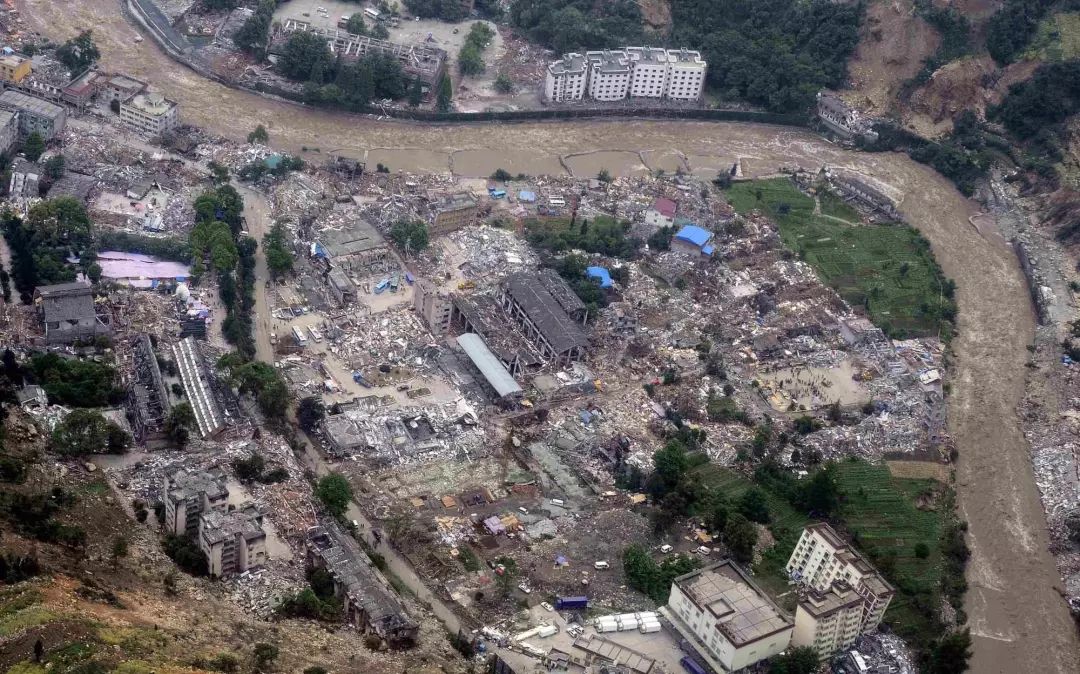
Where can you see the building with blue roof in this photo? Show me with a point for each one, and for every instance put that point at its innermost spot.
(693, 239)
(601, 274)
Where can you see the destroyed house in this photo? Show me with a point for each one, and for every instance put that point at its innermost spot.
(563, 294)
(187, 494)
(367, 602)
(418, 60)
(148, 398)
(529, 303)
(233, 542)
(358, 247)
(493, 371)
(482, 315)
(69, 313)
(863, 193)
(452, 212)
(199, 387)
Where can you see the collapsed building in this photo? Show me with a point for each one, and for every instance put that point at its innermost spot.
(357, 248)
(451, 212)
(405, 436)
(421, 61)
(233, 541)
(858, 190)
(546, 308)
(148, 401)
(187, 494)
(842, 119)
(367, 603)
(199, 386)
(69, 313)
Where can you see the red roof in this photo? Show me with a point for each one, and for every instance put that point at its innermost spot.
(665, 207)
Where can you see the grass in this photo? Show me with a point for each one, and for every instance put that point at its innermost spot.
(1057, 39)
(886, 269)
(833, 206)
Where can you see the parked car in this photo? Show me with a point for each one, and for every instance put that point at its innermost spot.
(666, 548)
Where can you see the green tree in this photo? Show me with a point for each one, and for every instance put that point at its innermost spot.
(670, 463)
(355, 24)
(753, 506)
(503, 84)
(219, 173)
(335, 493)
(303, 52)
(259, 135)
(254, 35)
(740, 537)
(310, 412)
(265, 654)
(93, 272)
(416, 93)
(798, 660)
(604, 176)
(410, 236)
(54, 166)
(119, 548)
(78, 53)
(85, 432)
(279, 259)
(950, 654)
(34, 146)
(470, 62)
(444, 99)
(179, 422)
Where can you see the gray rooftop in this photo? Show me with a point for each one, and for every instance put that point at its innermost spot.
(648, 54)
(561, 291)
(609, 61)
(685, 56)
(340, 280)
(570, 64)
(184, 483)
(67, 302)
(361, 236)
(545, 312)
(246, 522)
(488, 364)
(196, 381)
(743, 613)
(455, 202)
(32, 104)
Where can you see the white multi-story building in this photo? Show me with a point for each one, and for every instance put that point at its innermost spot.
(828, 621)
(565, 79)
(609, 75)
(822, 558)
(233, 542)
(650, 75)
(686, 75)
(150, 113)
(726, 617)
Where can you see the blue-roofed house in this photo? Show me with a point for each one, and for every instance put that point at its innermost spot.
(693, 239)
(600, 274)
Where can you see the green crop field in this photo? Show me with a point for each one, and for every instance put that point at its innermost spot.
(888, 270)
(1057, 39)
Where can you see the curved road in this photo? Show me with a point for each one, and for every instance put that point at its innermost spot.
(1018, 619)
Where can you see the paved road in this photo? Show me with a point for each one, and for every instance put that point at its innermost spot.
(1017, 618)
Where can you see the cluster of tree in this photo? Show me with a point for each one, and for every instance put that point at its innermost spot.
(962, 156)
(504, 176)
(356, 26)
(955, 554)
(84, 432)
(166, 248)
(410, 236)
(17, 568)
(333, 82)
(254, 35)
(955, 32)
(32, 514)
(723, 409)
(774, 53)
(652, 579)
(53, 231)
(574, 25)
(572, 268)
(261, 380)
(186, 553)
(470, 58)
(179, 422)
(1011, 29)
(309, 412)
(279, 259)
(317, 601)
(602, 236)
(34, 146)
(1048, 98)
(798, 660)
(255, 171)
(75, 382)
(660, 240)
(253, 469)
(219, 5)
(447, 10)
(817, 496)
(78, 53)
(335, 493)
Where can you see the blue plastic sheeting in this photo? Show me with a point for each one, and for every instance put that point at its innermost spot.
(527, 196)
(601, 274)
(694, 234)
(707, 250)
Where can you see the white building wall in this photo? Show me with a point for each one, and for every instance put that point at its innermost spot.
(685, 81)
(649, 81)
(608, 86)
(564, 86)
(658, 219)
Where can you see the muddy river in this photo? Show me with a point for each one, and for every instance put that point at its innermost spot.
(1017, 618)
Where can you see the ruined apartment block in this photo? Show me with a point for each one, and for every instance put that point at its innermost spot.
(148, 398)
(199, 387)
(367, 602)
(233, 542)
(188, 494)
(434, 305)
(451, 212)
(542, 316)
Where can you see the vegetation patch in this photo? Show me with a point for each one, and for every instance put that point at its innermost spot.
(1057, 38)
(602, 235)
(886, 269)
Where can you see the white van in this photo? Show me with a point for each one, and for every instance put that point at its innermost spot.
(601, 565)
(666, 548)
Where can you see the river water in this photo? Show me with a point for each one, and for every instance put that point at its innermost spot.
(1018, 620)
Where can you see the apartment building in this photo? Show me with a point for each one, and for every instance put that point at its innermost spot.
(189, 494)
(686, 75)
(609, 75)
(435, 306)
(14, 68)
(36, 115)
(452, 212)
(822, 558)
(152, 114)
(650, 72)
(828, 621)
(233, 542)
(726, 617)
(565, 79)
(9, 129)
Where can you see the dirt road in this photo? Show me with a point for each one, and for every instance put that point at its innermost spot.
(1016, 616)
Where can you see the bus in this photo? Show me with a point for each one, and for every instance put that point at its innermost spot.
(298, 335)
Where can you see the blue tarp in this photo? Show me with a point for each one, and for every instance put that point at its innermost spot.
(707, 250)
(497, 194)
(320, 250)
(694, 234)
(601, 274)
(527, 196)
(273, 161)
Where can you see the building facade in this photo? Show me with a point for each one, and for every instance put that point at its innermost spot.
(233, 542)
(650, 73)
(188, 494)
(822, 558)
(661, 213)
(9, 129)
(727, 617)
(686, 75)
(565, 79)
(69, 313)
(435, 306)
(36, 115)
(14, 68)
(152, 114)
(609, 75)
(452, 212)
(828, 621)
